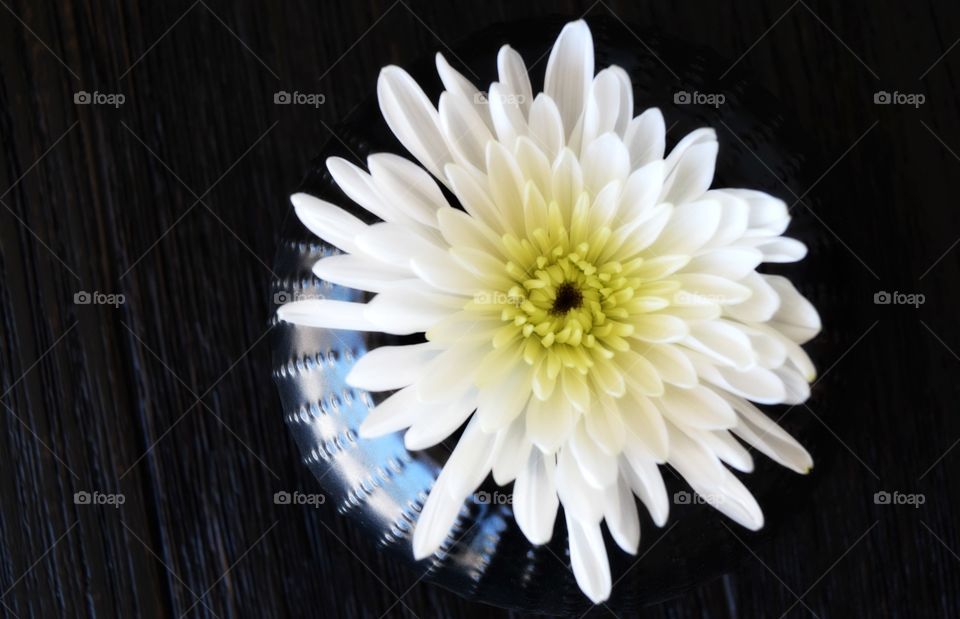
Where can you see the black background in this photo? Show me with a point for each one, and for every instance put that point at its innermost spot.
(176, 198)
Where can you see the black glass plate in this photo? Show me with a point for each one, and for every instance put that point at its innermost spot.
(381, 486)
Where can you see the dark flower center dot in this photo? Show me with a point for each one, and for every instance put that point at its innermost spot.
(568, 298)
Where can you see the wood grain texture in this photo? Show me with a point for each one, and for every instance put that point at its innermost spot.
(175, 199)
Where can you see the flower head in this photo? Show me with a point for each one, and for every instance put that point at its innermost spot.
(591, 308)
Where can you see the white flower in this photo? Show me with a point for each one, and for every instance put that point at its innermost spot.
(592, 313)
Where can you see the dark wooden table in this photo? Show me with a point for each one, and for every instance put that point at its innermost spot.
(174, 198)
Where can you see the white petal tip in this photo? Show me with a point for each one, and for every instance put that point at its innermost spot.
(420, 551)
(299, 199)
(598, 597)
(368, 431)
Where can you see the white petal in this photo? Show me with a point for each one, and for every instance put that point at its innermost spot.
(795, 386)
(697, 407)
(660, 328)
(566, 181)
(549, 423)
(674, 366)
(361, 272)
(534, 165)
(625, 109)
(391, 367)
(768, 216)
(465, 131)
(569, 72)
(723, 342)
(602, 107)
(793, 352)
(771, 351)
(724, 446)
(768, 437)
(393, 243)
(579, 499)
(761, 305)
(779, 249)
(644, 424)
(712, 288)
(502, 402)
(577, 390)
(604, 160)
(535, 500)
(643, 475)
(427, 432)
(690, 166)
(508, 117)
(473, 197)
(654, 221)
(758, 384)
(513, 75)
(461, 230)
(515, 449)
(692, 225)
(605, 427)
(645, 138)
(361, 188)
(603, 211)
(470, 462)
(331, 223)
(598, 467)
(711, 480)
(641, 375)
(399, 411)
(733, 262)
(733, 221)
(464, 326)
(796, 317)
(447, 275)
(412, 118)
(455, 82)
(692, 176)
(408, 186)
(641, 190)
(436, 519)
(546, 125)
(327, 314)
(588, 558)
(402, 312)
(453, 369)
(505, 185)
(620, 512)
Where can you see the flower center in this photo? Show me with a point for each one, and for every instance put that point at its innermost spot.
(568, 297)
(571, 301)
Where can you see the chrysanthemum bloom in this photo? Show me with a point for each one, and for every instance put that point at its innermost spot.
(591, 312)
